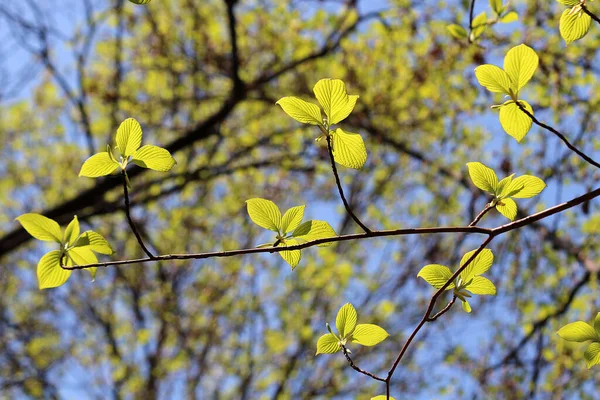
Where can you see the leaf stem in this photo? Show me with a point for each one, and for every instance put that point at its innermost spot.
(130, 220)
(339, 186)
(356, 368)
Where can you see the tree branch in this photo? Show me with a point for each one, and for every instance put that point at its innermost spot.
(130, 220)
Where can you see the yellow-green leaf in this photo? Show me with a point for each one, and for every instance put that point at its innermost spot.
(466, 306)
(332, 95)
(328, 344)
(479, 25)
(493, 78)
(292, 219)
(597, 323)
(511, 16)
(578, 332)
(49, 272)
(99, 164)
(83, 256)
(482, 262)
(345, 321)
(532, 186)
(483, 177)
(369, 334)
(457, 31)
(482, 286)
(348, 149)
(508, 208)
(153, 157)
(592, 355)
(569, 3)
(496, 5)
(40, 227)
(95, 242)
(72, 231)
(314, 230)
(514, 121)
(264, 213)
(129, 137)
(503, 185)
(436, 275)
(382, 397)
(301, 111)
(520, 64)
(574, 26)
(292, 257)
(140, 1)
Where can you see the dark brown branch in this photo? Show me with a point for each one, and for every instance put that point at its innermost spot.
(560, 136)
(130, 220)
(443, 310)
(591, 14)
(487, 208)
(471, 16)
(340, 189)
(356, 368)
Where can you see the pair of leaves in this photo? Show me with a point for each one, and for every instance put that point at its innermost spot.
(522, 187)
(574, 22)
(289, 227)
(349, 332)
(520, 64)
(127, 148)
(582, 332)
(469, 280)
(480, 22)
(75, 248)
(348, 148)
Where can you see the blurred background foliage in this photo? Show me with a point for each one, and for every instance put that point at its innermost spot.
(72, 70)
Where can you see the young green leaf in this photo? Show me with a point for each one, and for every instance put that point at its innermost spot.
(574, 25)
(94, 242)
(436, 275)
(292, 219)
(264, 213)
(292, 257)
(479, 25)
(578, 332)
(483, 177)
(83, 256)
(301, 111)
(508, 208)
(129, 137)
(153, 157)
(140, 1)
(348, 149)
(482, 286)
(514, 121)
(510, 16)
(569, 3)
(72, 231)
(314, 230)
(597, 324)
(530, 186)
(328, 344)
(99, 164)
(503, 185)
(480, 265)
(49, 272)
(382, 397)
(520, 64)
(369, 334)
(345, 322)
(457, 31)
(332, 95)
(493, 78)
(466, 306)
(40, 227)
(592, 355)
(496, 5)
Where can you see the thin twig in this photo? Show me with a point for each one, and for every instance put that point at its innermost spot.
(560, 136)
(591, 14)
(130, 220)
(356, 368)
(443, 310)
(340, 189)
(487, 208)
(471, 13)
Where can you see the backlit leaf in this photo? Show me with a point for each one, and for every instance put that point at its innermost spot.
(436, 275)
(520, 64)
(508, 208)
(40, 227)
(334, 99)
(482, 262)
(72, 231)
(301, 111)
(479, 25)
(348, 149)
(369, 334)
(493, 78)
(153, 157)
(129, 137)
(83, 256)
(578, 332)
(514, 121)
(496, 5)
(264, 213)
(345, 321)
(328, 344)
(140, 1)
(597, 323)
(510, 16)
(49, 272)
(292, 219)
(95, 242)
(466, 306)
(382, 397)
(532, 186)
(292, 257)
(99, 164)
(482, 286)
(457, 31)
(574, 26)
(314, 230)
(592, 355)
(483, 177)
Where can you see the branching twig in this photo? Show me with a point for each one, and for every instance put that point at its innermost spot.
(443, 310)
(340, 189)
(487, 208)
(130, 220)
(356, 368)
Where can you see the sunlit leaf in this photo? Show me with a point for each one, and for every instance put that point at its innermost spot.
(479, 25)
(140, 1)
(129, 137)
(531, 186)
(482, 286)
(153, 157)
(496, 5)
(510, 16)
(493, 78)
(348, 149)
(292, 219)
(436, 275)
(480, 264)
(84, 256)
(301, 111)
(369, 334)
(382, 397)
(501, 189)
(483, 177)
(328, 344)
(520, 64)
(578, 332)
(49, 272)
(40, 227)
(332, 95)
(597, 323)
(314, 230)
(592, 355)
(574, 26)
(466, 306)
(508, 208)
(345, 321)
(569, 3)
(514, 121)
(457, 31)
(95, 242)
(99, 164)
(72, 231)
(264, 213)
(292, 257)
